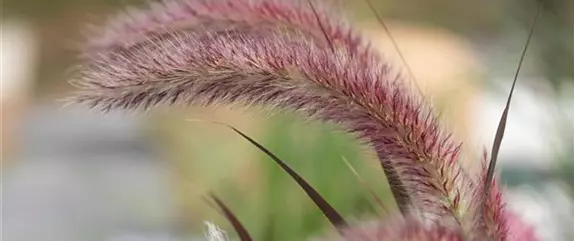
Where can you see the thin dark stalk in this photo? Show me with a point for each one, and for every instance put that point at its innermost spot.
(365, 186)
(329, 41)
(395, 45)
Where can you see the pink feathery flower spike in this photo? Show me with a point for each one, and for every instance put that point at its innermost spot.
(293, 55)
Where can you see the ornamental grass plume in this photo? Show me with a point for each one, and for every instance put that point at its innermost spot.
(296, 56)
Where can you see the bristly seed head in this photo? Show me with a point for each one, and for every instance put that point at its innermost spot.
(284, 55)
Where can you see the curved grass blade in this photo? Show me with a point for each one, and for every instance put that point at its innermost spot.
(504, 117)
(365, 186)
(230, 216)
(334, 217)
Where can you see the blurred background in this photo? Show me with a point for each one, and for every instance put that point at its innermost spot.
(69, 174)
